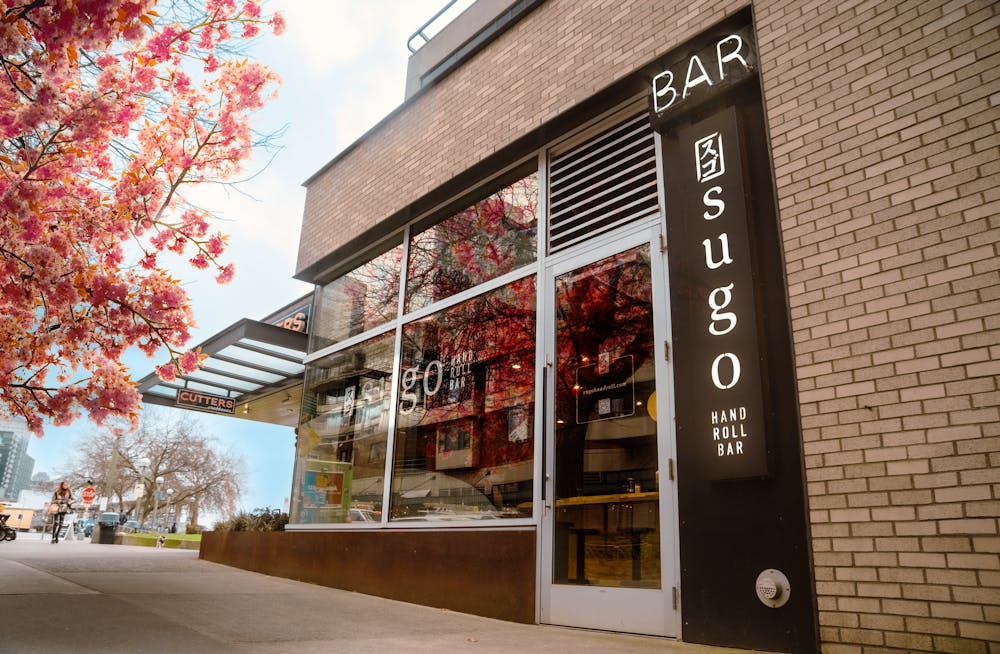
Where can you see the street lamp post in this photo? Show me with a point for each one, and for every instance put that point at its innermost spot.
(170, 494)
(141, 472)
(156, 504)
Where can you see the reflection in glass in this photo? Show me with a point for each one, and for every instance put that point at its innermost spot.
(362, 299)
(341, 442)
(465, 420)
(606, 480)
(491, 238)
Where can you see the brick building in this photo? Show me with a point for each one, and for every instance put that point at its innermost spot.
(755, 400)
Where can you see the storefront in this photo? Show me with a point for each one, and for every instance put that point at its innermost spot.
(510, 362)
(551, 372)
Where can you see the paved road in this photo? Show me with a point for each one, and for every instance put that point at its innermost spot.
(79, 597)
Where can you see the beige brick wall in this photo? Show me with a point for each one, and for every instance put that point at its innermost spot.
(563, 54)
(884, 124)
(884, 120)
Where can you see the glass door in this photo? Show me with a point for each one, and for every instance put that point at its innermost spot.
(607, 535)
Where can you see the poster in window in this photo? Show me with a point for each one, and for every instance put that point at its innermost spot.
(456, 445)
(518, 424)
(605, 390)
(326, 483)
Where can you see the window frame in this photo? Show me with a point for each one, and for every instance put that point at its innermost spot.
(535, 165)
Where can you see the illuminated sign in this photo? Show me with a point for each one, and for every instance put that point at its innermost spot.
(719, 63)
(205, 401)
(713, 288)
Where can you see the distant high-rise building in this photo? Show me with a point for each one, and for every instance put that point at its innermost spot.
(16, 465)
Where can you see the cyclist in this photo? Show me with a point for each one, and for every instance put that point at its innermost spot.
(62, 498)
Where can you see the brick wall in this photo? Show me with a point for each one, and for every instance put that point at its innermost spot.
(884, 128)
(565, 52)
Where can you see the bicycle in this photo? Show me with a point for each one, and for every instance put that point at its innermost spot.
(7, 533)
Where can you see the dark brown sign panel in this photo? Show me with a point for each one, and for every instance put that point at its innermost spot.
(205, 401)
(712, 289)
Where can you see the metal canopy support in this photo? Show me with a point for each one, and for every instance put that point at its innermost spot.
(250, 347)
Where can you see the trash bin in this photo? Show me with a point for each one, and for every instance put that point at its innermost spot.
(105, 529)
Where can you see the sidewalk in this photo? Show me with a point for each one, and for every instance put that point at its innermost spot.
(82, 597)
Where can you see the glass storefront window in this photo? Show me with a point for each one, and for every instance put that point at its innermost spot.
(492, 237)
(362, 299)
(341, 443)
(464, 447)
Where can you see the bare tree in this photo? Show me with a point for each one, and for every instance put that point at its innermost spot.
(124, 467)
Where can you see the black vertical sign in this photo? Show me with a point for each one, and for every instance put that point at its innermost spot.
(717, 355)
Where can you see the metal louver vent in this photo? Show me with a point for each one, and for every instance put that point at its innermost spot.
(606, 181)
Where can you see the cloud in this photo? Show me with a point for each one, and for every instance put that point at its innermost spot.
(329, 35)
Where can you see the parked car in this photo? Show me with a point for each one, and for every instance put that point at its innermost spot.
(130, 527)
(363, 515)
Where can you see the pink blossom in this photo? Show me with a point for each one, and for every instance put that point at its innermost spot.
(251, 9)
(278, 24)
(166, 372)
(72, 302)
(226, 274)
(189, 361)
(216, 244)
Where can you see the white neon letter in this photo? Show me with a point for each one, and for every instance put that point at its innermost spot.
(702, 77)
(729, 316)
(713, 202)
(661, 88)
(726, 259)
(736, 370)
(735, 54)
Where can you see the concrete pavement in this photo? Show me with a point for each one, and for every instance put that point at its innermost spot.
(81, 597)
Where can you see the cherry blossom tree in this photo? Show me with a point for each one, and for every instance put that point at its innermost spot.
(110, 110)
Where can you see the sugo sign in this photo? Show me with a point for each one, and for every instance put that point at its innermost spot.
(712, 278)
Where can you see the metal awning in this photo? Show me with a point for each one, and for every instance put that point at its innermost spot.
(253, 370)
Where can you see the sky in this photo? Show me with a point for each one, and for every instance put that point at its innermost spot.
(343, 68)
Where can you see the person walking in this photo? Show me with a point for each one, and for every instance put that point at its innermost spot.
(62, 497)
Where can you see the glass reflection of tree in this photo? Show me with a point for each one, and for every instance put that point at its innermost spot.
(604, 309)
(485, 240)
(359, 300)
(485, 349)
(378, 290)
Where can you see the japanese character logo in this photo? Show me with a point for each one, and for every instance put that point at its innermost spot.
(709, 161)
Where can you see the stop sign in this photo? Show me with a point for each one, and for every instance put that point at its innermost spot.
(89, 495)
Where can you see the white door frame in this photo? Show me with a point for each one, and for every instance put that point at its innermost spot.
(635, 610)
